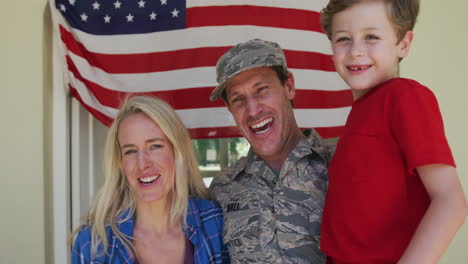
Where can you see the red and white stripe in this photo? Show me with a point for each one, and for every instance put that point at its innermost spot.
(179, 65)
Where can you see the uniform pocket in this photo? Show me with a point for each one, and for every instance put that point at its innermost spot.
(241, 223)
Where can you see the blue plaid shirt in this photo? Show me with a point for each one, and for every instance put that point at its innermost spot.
(204, 229)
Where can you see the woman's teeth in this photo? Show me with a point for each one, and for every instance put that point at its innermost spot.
(147, 180)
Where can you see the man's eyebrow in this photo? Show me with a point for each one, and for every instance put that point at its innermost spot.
(259, 83)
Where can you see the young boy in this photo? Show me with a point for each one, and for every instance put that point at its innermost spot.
(394, 194)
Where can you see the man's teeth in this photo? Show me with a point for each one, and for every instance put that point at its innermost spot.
(148, 179)
(264, 122)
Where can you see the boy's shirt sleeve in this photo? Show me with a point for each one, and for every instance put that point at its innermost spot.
(417, 126)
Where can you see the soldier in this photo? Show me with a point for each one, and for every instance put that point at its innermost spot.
(272, 199)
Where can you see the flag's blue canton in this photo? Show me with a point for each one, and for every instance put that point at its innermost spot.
(109, 17)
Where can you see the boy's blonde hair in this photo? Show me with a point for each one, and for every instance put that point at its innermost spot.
(402, 14)
(115, 202)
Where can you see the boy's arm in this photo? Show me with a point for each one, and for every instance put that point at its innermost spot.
(445, 215)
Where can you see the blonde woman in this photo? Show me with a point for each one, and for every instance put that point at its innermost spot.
(152, 207)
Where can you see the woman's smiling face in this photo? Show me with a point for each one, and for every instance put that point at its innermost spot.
(147, 158)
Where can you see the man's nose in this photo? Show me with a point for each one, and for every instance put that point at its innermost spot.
(253, 106)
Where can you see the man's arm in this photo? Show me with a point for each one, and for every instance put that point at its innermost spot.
(325, 148)
(223, 178)
(445, 215)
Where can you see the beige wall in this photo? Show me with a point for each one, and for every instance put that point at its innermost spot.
(439, 59)
(24, 83)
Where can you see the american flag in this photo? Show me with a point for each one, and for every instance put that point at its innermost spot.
(169, 48)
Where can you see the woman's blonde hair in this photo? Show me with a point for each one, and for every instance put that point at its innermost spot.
(115, 201)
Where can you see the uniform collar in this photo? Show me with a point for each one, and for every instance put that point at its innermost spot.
(312, 143)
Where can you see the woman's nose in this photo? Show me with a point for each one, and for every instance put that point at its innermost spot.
(143, 160)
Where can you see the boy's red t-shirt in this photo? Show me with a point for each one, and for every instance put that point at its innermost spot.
(375, 198)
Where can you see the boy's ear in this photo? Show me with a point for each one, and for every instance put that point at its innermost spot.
(405, 44)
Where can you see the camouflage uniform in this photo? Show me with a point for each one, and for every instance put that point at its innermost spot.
(272, 218)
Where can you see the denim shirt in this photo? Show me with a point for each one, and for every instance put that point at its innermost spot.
(204, 230)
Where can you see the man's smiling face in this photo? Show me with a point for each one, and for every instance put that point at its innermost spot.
(261, 107)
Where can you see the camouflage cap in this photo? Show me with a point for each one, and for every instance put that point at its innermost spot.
(247, 55)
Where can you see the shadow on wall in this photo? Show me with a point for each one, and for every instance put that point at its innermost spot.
(47, 101)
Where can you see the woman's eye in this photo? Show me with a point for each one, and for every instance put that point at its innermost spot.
(156, 146)
(372, 37)
(130, 151)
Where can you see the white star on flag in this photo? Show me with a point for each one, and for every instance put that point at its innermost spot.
(141, 4)
(107, 19)
(96, 6)
(175, 13)
(104, 59)
(84, 17)
(72, 2)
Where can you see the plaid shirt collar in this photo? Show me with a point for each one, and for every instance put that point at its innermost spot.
(126, 227)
